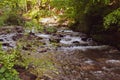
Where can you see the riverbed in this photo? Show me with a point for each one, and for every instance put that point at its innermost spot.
(72, 55)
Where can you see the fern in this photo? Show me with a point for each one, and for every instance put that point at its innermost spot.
(112, 18)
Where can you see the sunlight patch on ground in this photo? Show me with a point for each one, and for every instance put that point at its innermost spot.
(48, 20)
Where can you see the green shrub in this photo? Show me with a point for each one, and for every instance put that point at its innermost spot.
(7, 62)
(34, 24)
(112, 20)
(11, 18)
(14, 19)
(3, 18)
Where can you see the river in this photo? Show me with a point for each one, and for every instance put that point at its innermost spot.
(78, 56)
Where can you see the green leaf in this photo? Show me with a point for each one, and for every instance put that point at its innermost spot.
(3, 79)
(2, 69)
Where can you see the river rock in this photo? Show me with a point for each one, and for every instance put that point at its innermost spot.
(25, 74)
(58, 35)
(19, 29)
(84, 38)
(55, 39)
(43, 50)
(6, 44)
(75, 42)
(17, 36)
(31, 33)
(27, 47)
(1, 39)
(45, 78)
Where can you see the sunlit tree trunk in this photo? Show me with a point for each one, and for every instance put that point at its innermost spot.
(38, 1)
(25, 5)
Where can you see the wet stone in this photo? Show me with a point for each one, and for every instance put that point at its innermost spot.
(39, 38)
(45, 78)
(84, 38)
(43, 50)
(60, 35)
(6, 44)
(1, 39)
(55, 39)
(19, 29)
(75, 42)
(24, 74)
(17, 36)
(31, 33)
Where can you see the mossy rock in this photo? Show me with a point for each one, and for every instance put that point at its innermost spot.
(50, 30)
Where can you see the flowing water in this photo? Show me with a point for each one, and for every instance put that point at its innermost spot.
(79, 57)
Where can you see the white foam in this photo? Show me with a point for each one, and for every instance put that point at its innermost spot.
(113, 61)
(89, 61)
(83, 48)
(43, 35)
(68, 31)
(69, 40)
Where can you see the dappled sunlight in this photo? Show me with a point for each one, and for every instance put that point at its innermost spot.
(48, 20)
